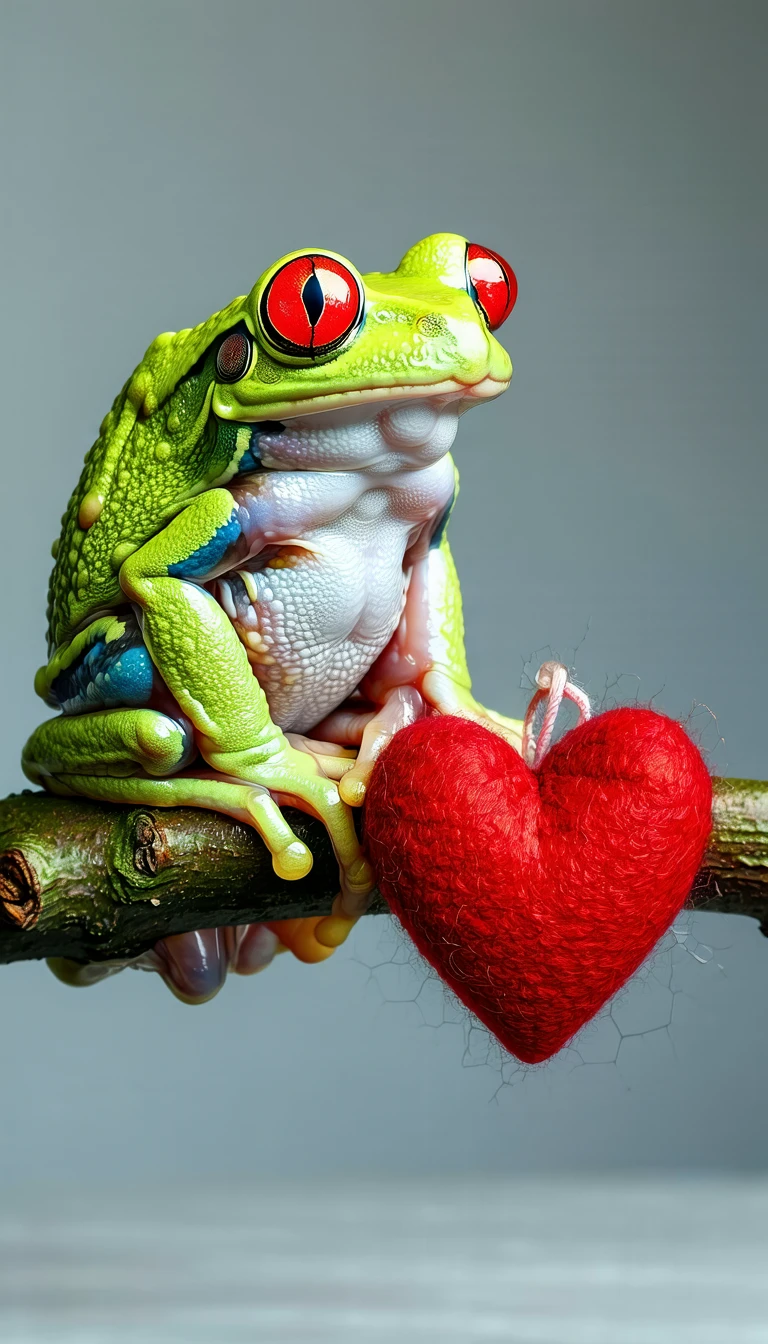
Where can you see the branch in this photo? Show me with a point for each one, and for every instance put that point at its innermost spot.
(92, 882)
(734, 876)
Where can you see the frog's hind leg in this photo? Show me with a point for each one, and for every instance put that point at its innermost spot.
(131, 756)
(134, 756)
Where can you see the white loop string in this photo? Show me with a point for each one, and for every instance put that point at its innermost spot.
(553, 685)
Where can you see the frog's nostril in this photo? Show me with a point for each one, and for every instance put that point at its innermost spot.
(432, 324)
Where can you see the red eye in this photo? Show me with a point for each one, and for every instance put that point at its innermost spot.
(494, 283)
(311, 306)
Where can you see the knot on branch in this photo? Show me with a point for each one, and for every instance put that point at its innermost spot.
(150, 845)
(20, 902)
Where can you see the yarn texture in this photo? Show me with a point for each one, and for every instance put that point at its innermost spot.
(535, 894)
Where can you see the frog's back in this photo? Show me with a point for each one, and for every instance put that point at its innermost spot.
(157, 447)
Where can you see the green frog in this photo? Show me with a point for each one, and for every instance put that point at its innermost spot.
(253, 587)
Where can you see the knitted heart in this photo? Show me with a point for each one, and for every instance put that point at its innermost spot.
(536, 894)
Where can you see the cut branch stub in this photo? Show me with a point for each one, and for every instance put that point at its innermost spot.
(20, 901)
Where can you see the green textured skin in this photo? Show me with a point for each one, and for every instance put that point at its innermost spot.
(157, 449)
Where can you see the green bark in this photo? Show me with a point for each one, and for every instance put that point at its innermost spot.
(93, 882)
(734, 877)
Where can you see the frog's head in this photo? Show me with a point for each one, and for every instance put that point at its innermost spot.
(315, 335)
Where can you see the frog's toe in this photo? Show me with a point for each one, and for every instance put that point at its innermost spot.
(193, 965)
(82, 974)
(321, 798)
(332, 760)
(334, 929)
(404, 705)
(299, 936)
(357, 883)
(255, 946)
(291, 858)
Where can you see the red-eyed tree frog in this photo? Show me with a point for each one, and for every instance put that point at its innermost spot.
(253, 588)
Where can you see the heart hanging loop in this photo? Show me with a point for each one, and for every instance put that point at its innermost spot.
(553, 686)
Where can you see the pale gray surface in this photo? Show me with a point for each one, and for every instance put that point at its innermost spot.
(155, 156)
(647, 1262)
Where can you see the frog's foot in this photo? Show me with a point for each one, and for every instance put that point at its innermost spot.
(439, 693)
(312, 940)
(332, 759)
(194, 966)
(293, 777)
(117, 755)
(134, 756)
(102, 756)
(402, 706)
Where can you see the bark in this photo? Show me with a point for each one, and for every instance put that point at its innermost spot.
(93, 882)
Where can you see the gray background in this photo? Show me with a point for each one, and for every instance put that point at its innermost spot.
(155, 158)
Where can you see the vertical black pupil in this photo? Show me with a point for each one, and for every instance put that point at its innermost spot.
(313, 299)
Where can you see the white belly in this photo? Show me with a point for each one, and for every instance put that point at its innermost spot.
(324, 590)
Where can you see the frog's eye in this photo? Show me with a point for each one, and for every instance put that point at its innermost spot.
(492, 284)
(311, 307)
(233, 358)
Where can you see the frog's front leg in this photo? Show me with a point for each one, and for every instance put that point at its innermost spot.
(423, 669)
(203, 663)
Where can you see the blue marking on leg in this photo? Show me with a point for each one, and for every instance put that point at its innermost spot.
(201, 563)
(107, 676)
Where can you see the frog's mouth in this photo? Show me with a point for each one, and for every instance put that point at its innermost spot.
(469, 394)
(350, 432)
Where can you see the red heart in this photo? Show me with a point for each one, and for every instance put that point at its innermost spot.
(536, 895)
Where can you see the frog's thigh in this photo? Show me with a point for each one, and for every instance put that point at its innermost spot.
(98, 756)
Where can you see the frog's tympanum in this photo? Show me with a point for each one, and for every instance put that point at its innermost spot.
(253, 588)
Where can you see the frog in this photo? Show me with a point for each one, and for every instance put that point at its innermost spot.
(253, 588)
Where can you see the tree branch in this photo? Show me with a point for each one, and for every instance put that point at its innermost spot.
(92, 882)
